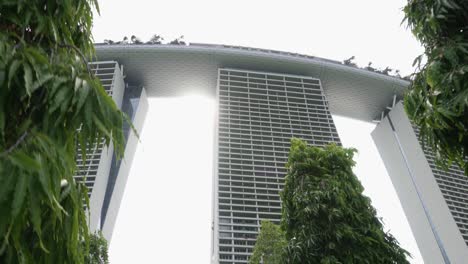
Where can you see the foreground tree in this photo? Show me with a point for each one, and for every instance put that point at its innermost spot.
(47, 94)
(325, 216)
(437, 101)
(98, 250)
(269, 246)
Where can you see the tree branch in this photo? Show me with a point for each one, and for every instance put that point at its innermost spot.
(14, 146)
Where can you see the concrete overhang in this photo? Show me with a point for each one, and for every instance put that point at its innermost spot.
(174, 70)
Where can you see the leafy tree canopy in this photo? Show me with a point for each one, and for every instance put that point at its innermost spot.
(47, 94)
(155, 39)
(325, 216)
(98, 253)
(269, 246)
(437, 101)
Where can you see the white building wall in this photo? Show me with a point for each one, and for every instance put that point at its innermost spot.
(95, 172)
(430, 219)
(125, 166)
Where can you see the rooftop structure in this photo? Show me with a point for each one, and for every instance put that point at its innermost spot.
(351, 92)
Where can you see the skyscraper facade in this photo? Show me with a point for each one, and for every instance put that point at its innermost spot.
(259, 113)
(435, 201)
(102, 172)
(264, 98)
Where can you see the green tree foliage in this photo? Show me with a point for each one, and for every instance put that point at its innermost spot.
(97, 250)
(47, 94)
(325, 216)
(269, 246)
(437, 101)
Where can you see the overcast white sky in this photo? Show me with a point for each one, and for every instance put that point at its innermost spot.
(165, 216)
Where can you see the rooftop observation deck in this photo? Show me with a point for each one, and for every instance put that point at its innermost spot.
(174, 70)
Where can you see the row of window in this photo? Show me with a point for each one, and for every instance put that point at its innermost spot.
(272, 177)
(273, 93)
(249, 184)
(286, 133)
(249, 190)
(298, 104)
(276, 122)
(246, 196)
(249, 202)
(268, 86)
(288, 95)
(262, 106)
(229, 73)
(252, 173)
(294, 104)
(292, 114)
(262, 127)
(257, 78)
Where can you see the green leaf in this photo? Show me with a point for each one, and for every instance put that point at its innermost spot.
(82, 144)
(28, 78)
(101, 126)
(82, 95)
(78, 83)
(36, 219)
(7, 182)
(96, 5)
(54, 30)
(451, 55)
(19, 195)
(12, 70)
(88, 114)
(2, 121)
(65, 192)
(41, 81)
(417, 61)
(24, 161)
(59, 98)
(2, 77)
(39, 58)
(44, 178)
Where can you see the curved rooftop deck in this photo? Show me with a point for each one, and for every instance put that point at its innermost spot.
(173, 70)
